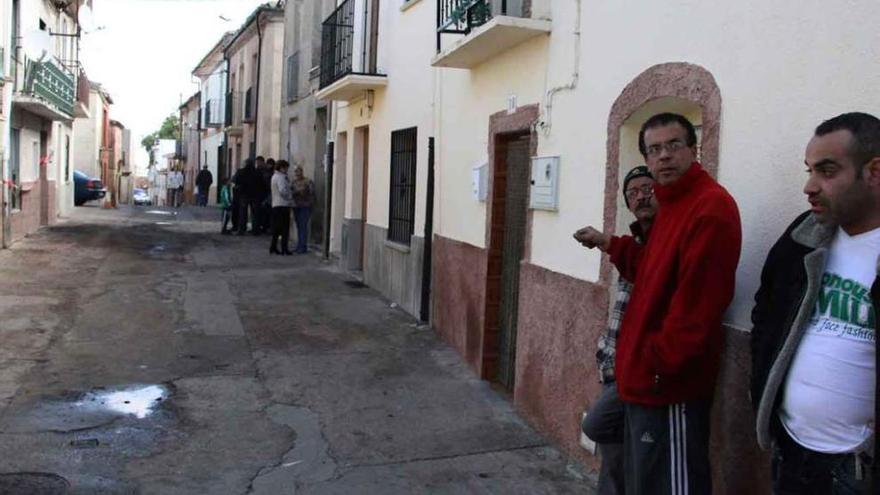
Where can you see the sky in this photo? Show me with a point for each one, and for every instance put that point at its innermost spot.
(144, 51)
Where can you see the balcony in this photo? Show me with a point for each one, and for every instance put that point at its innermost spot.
(349, 39)
(485, 29)
(43, 88)
(248, 105)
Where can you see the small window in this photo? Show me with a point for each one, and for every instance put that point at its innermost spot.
(402, 203)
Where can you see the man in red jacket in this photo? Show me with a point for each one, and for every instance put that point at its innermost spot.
(670, 341)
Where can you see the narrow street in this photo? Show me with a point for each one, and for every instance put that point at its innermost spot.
(142, 352)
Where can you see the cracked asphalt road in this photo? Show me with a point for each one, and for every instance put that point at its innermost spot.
(279, 377)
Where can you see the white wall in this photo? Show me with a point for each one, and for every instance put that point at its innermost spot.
(781, 67)
(62, 175)
(87, 138)
(210, 145)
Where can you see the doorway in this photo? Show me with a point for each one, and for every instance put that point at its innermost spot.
(42, 159)
(356, 228)
(339, 203)
(510, 200)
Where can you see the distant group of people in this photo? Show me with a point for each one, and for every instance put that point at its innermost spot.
(813, 342)
(262, 191)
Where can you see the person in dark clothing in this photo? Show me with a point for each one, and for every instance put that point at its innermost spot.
(248, 183)
(266, 173)
(813, 340)
(204, 181)
(669, 348)
(280, 197)
(303, 200)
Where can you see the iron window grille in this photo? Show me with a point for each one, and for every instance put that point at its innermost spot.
(402, 201)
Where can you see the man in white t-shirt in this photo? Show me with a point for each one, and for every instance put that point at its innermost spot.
(814, 349)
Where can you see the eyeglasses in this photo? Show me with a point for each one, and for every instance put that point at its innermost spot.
(632, 193)
(670, 146)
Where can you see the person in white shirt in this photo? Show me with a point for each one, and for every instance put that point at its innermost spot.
(814, 348)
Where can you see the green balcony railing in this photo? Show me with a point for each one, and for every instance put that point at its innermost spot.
(51, 83)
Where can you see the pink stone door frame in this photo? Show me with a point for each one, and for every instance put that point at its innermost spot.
(675, 79)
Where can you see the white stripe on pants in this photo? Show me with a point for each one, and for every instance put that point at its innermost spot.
(678, 449)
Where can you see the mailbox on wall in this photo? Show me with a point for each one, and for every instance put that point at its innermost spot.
(544, 191)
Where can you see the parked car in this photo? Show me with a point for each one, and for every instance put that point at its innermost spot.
(141, 197)
(86, 189)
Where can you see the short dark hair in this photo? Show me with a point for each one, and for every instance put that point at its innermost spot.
(270, 161)
(280, 164)
(666, 118)
(260, 158)
(865, 130)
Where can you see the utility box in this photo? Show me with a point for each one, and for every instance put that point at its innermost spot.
(480, 181)
(544, 191)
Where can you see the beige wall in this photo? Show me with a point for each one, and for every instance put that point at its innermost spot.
(242, 53)
(465, 101)
(406, 45)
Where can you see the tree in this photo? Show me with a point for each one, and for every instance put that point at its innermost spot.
(170, 129)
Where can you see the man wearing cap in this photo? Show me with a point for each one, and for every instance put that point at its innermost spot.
(604, 421)
(669, 347)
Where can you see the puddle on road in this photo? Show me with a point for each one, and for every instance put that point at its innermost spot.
(137, 401)
(93, 409)
(160, 212)
(157, 249)
(164, 223)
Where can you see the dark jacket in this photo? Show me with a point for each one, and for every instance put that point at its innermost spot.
(669, 346)
(248, 182)
(205, 178)
(790, 283)
(265, 190)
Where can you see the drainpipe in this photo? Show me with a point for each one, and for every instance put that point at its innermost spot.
(227, 156)
(257, 91)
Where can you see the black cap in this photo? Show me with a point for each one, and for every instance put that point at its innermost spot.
(635, 173)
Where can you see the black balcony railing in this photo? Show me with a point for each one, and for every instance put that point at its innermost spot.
(249, 105)
(348, 47)
(337, 43)
(462, 16)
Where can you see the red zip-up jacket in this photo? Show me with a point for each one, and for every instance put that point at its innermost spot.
(670, 340)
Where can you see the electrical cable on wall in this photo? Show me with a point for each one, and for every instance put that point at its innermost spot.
(545, 123)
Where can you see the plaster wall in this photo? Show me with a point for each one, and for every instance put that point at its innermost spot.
(87, 138)
(465, 100)
(767, 117)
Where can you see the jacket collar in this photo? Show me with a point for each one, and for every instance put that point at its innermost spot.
(638, 233)
(679, 188)
(813, 234)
